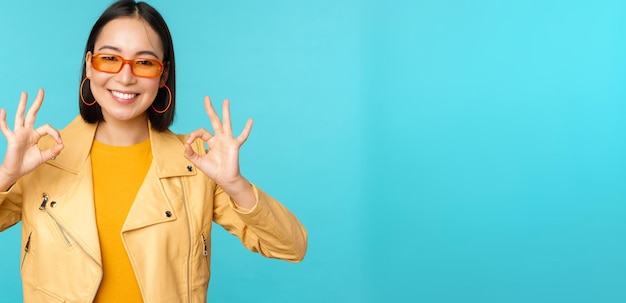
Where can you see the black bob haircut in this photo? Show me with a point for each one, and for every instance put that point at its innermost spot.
(142, 10)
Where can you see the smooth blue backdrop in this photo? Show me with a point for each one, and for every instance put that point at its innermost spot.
(436, 151)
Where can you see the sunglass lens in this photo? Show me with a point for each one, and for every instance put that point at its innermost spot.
(146, 68)
(107, 63)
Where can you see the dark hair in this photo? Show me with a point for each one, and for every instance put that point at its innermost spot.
(130, 8)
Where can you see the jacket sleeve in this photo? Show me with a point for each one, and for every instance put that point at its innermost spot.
(268, 228)
(10, 206)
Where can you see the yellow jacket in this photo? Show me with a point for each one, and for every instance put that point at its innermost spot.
(166, 234)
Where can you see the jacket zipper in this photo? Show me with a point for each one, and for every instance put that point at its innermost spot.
(182, 186)
(43, 207)
(205, 251)
(63, 233)
(44, 201)
(26, 249)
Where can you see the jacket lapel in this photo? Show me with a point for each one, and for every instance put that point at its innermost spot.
(161, 189)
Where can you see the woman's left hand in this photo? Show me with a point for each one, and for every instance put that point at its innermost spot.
(221, 163)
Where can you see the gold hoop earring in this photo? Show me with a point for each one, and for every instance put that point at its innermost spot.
(168, 103)
(81, 93)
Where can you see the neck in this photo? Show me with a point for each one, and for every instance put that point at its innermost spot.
(122, 133)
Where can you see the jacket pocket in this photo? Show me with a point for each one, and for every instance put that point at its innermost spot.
(46, 296)
(26, 250)
(205, 251)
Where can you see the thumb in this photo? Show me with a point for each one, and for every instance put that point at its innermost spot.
(190, 154)
(52, 152)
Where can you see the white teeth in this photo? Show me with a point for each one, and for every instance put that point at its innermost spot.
(123, 95)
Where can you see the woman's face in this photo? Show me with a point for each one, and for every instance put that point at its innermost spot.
(123, 96)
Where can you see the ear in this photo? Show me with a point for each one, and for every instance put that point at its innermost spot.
(165, 74)
(88, 67)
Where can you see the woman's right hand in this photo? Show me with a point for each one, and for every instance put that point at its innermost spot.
(23, 155)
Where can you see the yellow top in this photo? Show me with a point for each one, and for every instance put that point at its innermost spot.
(118, 172)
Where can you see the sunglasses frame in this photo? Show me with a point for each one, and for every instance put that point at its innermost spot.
(124, 61)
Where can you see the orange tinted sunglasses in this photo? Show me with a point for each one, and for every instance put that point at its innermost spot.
(140, 67)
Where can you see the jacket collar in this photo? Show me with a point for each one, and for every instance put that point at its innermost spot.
(167, 149)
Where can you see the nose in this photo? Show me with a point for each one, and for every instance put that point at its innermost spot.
(125, 76)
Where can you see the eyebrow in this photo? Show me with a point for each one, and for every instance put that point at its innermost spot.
(117, 49)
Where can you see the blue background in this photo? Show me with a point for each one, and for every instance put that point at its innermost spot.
(436, 151)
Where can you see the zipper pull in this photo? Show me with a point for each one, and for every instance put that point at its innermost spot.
(44, 201)
(204, 250)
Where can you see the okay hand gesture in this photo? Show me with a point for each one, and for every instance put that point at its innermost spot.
(221, 163)
(23, 155)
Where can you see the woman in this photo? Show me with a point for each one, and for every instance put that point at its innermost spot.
(115, 207)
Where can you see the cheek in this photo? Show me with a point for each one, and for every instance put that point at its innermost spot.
(97, 81)
(151, 86)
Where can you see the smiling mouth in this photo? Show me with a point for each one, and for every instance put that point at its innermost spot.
(123, 96)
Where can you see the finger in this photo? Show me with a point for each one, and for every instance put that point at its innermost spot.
(201, 133)
(215, 120)
(51, 152)
(228, 127)
(31, 115)
(47, 129)
(190, 154)
(19, 113)
(3, 123)
(246, 132)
